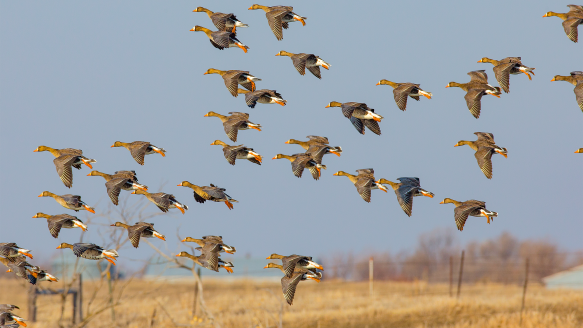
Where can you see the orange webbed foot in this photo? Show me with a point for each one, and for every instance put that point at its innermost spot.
(86, 163)
(27, 255)
(240, 46)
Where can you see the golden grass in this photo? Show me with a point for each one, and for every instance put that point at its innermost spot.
(325, 305)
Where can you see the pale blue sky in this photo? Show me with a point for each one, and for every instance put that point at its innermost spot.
(85, 74)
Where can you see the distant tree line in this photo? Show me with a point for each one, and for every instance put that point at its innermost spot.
(499, 260)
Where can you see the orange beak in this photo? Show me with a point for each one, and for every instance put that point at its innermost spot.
(59, 247)
(40, 195)
(277, 54)
(192, 29)
(447, 86)
(179, 185)
(442, 202)
(89, 174)
(327, 106)
(274, 157)
(250, 8)
(553, 80)
(178, 255)
(36, 150)
(545, 15)
(287, 142)
(456, 145)
(183, 240)
(265, 267)
(112, 146)
(379, 83)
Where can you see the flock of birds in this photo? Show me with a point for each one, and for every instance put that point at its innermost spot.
(295, 267)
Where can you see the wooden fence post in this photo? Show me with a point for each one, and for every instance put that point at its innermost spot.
(195, 302)
(459, 282)
(32, 303)
(370, 276)
(79, 303)
(450, 276)
(524, 289)
(75, 313)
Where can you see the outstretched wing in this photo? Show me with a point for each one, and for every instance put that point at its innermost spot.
(579, 94)
(299, 164)
(363, 186)
(401, 93)
(479, 76)
(373, 126)
(231, 153)
(474, 101)
(405, 197)
(231, 127)
(138, 153)
(485, 136)
(114, 188)
(484, 157)
(135, 232)
(462, 212)
(289, 285)
(502, 73)
(274, 19)
(570, 26)
(358, 125)
(63, 164)
(220, 39)
(231, 79)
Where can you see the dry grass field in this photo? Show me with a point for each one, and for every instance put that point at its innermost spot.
(325, 305)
